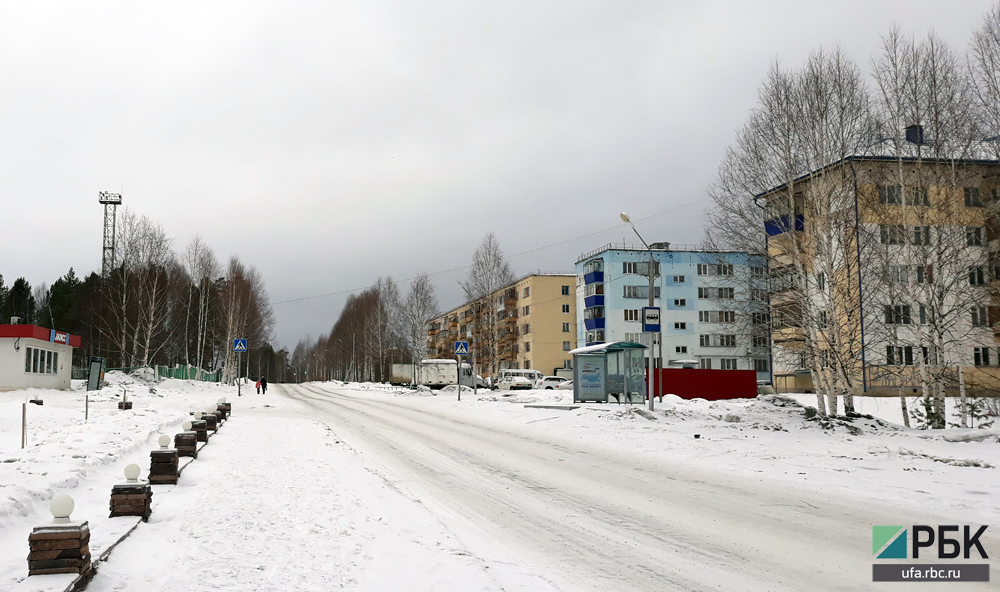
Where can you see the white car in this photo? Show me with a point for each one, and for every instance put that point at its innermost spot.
(550, 382)
(511, 383)
(565, 385)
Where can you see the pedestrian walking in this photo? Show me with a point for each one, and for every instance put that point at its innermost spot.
(263, 384)
(258, 387)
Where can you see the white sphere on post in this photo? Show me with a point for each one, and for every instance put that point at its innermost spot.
(132, 473)
(61, 507)
(186, 426)
(164, 441)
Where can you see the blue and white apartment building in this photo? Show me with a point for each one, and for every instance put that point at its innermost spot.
(713, 303)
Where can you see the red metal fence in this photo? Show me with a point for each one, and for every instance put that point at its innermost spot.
(713, 385)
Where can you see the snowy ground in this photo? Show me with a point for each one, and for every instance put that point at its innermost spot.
(289, 496)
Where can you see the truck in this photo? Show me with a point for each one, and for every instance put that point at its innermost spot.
(431, 373)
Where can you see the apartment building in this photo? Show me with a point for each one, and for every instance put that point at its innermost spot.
(712, 303)
(881, 270)
(529, 324)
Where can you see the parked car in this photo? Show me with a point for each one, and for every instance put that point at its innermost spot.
(511, 383)
(550, 382)
(566, 385)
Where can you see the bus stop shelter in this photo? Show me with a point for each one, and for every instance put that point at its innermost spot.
(616, 369)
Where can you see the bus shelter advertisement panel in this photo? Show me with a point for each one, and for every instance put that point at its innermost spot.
(592, 375)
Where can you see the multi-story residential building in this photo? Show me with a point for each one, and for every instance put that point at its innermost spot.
(881, 268)
(529, 324)
(712, 303)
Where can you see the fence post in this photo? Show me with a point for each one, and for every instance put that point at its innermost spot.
(24, 424)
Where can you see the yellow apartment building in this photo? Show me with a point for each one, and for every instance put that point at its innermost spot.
(885, 270)
(529, 324)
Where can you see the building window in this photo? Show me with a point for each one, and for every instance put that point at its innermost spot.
(678, 279)
(568, 364)
(527, 364)
(567, 346)
(728, 364)
(974, 236)
(680, 302)
(976, 276)
(724, 269)
(972, 200)
(717, 340)
(681, 349)
(525, 310)
(40, 361)
(631, 314)
(899, 274)
(758, 272)
(704, 293)
(898, 314)
(924, 274)
(922, 235)
(892, 234)
(706, 363)
(761, 365)
(981, 356)
(565, 290)
(639, 268)
(633, 337)
(758, 295)
(923, 314)
(527, 291)
(565, 328)
(680, 326)
(717, 316)
(527, 346)
(565, 308)
(527, 329)
(979, 318)
(759, 341)
(702, 269)
(640, 292)
(759, 318)
(890, 194)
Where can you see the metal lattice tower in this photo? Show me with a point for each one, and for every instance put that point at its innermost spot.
(111, 202)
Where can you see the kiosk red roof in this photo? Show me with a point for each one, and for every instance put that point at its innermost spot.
(40, 333)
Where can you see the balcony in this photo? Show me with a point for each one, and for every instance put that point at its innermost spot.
(595, 300)
(592, 324)
(783, 224)
(594, 277)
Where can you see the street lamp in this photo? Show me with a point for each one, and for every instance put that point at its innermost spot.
(659, 333)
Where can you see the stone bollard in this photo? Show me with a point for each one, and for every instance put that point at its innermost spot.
(201, 429)
(186, 442)
(132, 498)
(225, 408)
(163, 463)
(60, 547)
(211, 421)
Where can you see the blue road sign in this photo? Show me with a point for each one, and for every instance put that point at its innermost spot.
(650, 319)
(239, 345)
(461, 348)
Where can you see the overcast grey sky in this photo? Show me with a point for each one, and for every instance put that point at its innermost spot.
(328, 143)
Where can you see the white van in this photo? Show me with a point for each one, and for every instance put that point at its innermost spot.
(535, 376)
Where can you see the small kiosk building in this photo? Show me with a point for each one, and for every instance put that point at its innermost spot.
(616, 369)
(35, 357)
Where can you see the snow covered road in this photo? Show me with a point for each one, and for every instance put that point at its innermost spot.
(593, 518)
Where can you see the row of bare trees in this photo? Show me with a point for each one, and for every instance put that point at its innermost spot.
(378, 326)
(903, 266)
(158, 307)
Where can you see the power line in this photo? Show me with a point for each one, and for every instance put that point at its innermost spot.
(549, 246)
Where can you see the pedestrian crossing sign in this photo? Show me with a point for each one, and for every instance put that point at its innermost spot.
(239, 345)
(461, 348)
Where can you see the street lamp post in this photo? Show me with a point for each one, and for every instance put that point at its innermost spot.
(659, 333)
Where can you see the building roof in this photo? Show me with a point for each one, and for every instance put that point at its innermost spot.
(40, 333)
(876, 158)
(505, 287)
(670, 247)
(609, 347)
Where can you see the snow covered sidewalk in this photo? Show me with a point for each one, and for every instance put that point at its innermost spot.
(275, 502)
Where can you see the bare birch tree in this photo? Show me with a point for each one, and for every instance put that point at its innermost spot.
(490, 273)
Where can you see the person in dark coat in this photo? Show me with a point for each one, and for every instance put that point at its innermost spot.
(263, 385)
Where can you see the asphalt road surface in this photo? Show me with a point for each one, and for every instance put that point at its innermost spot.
(595, 519)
